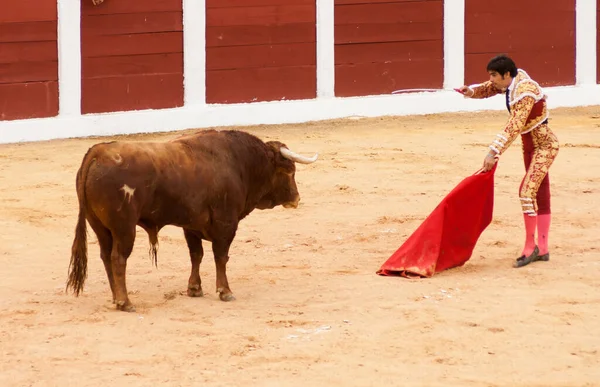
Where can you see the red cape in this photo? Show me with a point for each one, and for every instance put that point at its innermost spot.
(447, 237)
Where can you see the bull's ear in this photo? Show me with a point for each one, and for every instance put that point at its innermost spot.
(274, 154)
(275, 146)
(280, 161)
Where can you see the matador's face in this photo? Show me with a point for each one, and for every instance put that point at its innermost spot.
(500, 81)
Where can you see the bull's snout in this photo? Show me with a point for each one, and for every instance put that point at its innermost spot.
(292, 204)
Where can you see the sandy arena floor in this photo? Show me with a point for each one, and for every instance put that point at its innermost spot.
(310, 310)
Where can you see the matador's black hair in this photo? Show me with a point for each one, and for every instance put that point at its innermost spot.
(502, 64)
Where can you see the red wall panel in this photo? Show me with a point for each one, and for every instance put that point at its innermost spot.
(132, 55)
(28, 59)
(387, 45)
(20, 11)
(260, 50)
(538, 34)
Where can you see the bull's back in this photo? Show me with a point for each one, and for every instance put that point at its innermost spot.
(151, 183)
(121, 178)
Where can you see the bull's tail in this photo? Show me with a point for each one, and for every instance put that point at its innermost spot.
(78, 264)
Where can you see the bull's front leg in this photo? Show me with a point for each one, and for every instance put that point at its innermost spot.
(194, 243)
(221, 251)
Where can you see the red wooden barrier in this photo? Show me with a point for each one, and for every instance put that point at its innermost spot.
(28, 59)
(132, 55)
(260, 50)
(538, 34)
(386, 45)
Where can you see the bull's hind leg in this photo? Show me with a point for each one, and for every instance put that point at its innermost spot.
(196, 253)
(105, 241)
(221, 251)
(122, 247)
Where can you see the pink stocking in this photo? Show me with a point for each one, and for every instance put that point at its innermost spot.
(543, 227)
(530, 223)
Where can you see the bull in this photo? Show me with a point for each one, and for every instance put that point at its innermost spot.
(205, 183)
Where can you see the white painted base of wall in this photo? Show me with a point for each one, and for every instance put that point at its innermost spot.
(278, 112)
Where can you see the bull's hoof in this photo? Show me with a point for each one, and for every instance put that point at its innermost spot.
(226, 297)
(125, 306)
(195, 292)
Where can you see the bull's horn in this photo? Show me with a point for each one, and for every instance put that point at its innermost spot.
(288, 154)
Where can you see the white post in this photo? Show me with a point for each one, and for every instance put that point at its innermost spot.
(585, 44)
(69, 57)
(194, 52)
(454, 43)
(325, 49)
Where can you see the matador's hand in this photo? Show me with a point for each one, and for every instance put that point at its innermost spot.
(489, 161)
(465, 90)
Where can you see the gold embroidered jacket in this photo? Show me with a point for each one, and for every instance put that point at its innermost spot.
(527, 104)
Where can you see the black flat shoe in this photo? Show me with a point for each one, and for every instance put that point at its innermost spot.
(523, 260)
(545, 257)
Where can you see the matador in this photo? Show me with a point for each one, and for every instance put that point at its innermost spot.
(528, 117)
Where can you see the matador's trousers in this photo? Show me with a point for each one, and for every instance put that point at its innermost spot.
(540, 148)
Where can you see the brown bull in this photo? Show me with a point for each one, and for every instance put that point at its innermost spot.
(204, 183)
